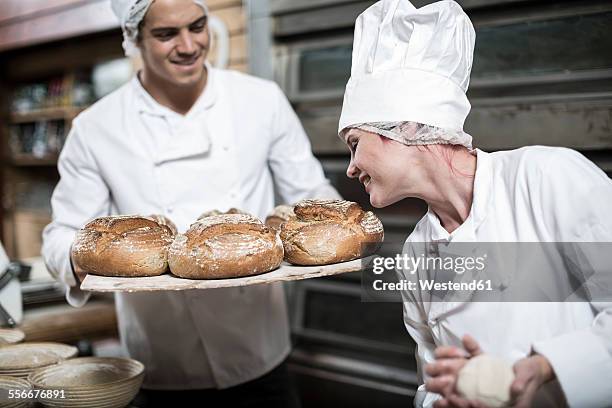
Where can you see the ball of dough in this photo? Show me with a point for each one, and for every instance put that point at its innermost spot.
(486, 379)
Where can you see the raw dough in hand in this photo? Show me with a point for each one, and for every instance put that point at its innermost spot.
(486, 379)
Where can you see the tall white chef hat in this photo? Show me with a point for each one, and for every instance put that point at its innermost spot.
(411, 65)
(130, 13)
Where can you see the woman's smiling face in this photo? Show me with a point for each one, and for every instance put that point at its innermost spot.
(387, 169)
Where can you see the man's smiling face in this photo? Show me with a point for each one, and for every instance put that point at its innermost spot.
(174, 41)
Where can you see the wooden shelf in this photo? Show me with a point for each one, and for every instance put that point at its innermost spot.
(29, 160)
(58, 113)
(64, 323)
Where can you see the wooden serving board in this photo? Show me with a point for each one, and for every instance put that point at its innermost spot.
(286, 272)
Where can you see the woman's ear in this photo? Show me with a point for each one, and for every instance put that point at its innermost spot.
(141, 26)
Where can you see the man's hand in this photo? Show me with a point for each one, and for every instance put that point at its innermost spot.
(445, 370)
(79, 273)
(530, 373)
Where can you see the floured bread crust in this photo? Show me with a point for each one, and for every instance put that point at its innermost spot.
(217, 212)
(127, 246)
(163, 220)
(280, 214)
(225, 246)
(329, 231)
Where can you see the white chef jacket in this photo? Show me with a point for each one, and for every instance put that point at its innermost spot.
(127, 154)
(532, 194)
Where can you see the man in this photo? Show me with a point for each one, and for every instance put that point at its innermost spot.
(179, 139)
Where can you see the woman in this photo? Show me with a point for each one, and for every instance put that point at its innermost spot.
(402, 119)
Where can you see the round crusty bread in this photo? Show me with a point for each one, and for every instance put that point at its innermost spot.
(163, 220)
(329, 231)
(280, 214)
(218, 212)
(225, 246)
(125, 246)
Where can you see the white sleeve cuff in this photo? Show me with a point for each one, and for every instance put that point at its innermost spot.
(76, 297)
(582, 365)
(424, 398)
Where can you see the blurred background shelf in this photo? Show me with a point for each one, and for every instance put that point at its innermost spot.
(63, 323)
(31, 160)
(55, 113)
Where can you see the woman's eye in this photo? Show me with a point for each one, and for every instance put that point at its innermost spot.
(197, 29)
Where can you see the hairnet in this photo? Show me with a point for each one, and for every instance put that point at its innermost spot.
(130, 13)
(413, 133)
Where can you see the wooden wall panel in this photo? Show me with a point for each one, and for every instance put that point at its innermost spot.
(11, 10)
(60, 19)
(220, 4)
(233, 15)
(234, 18)
(85, 18)
(238, 50)
(239, 67)
(63, 56)
(29, 226)
(23, 9)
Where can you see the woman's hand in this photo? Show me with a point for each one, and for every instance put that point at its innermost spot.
(445, 370)
(530, 373)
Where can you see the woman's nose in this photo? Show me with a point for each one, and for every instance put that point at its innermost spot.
(352, 171)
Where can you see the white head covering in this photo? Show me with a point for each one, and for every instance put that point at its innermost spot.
(130, 13)
(411, 65)
(414, 133)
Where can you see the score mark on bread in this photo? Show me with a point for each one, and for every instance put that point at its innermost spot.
(126, 246)
(329, 231)
(218, 212)
(280, 214)
(163, 220)
(225, 246)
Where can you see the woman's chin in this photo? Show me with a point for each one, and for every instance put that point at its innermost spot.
(382, 200)
(376, 202)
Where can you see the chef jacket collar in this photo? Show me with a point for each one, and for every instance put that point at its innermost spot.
(480, 203)
(466, 232)
(148, 105)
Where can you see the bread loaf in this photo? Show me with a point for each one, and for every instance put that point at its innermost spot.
(329, 231)
(163, 220)
(225, 246)
(217, 212)
(126, 246)
(280, 214)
